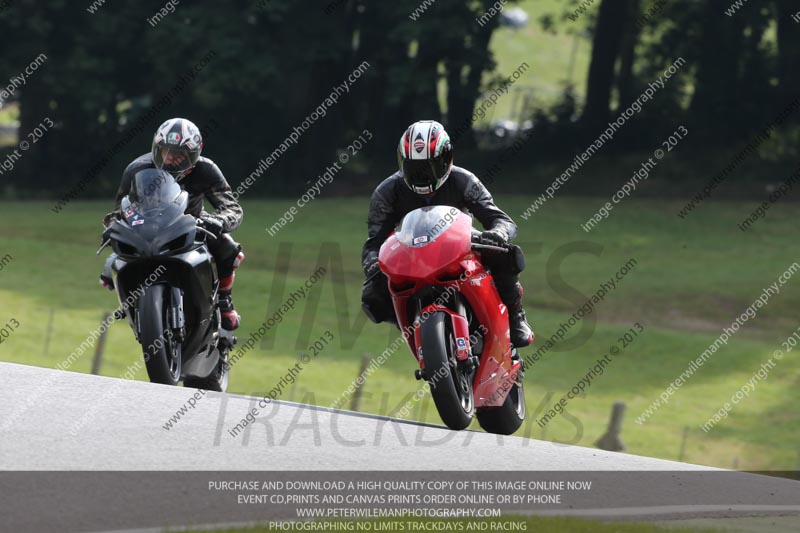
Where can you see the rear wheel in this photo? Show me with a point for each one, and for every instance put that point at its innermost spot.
(450, 387)
(162, 350)
(507, 418)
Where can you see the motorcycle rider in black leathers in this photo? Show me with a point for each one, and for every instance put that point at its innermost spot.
(426, 177)
(176, 149)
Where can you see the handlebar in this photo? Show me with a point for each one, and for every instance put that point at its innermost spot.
(103, 247)
(493, 248)
(478, 244)
(204, 230)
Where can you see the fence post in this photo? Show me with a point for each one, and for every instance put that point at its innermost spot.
(611, 441)
(49, 332)
(101, 347)
(356, 399)
(683, 442)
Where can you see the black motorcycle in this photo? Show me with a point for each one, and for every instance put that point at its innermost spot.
(167, 285)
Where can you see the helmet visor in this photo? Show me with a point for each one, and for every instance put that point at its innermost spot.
(424, 173)
(173, 160)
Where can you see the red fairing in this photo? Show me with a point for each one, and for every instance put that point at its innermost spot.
(422, 264)
(414, 262)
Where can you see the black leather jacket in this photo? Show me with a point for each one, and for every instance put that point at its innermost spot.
(392, 200)
(205, 181)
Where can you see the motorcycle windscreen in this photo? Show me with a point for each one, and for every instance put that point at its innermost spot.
(423, 226)
(428, 241)
(153, 189)
(155, 200)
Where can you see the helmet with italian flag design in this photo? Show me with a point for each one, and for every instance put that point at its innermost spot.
(425, 156)
(176, 147)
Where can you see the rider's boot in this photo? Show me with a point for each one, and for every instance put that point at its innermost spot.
(230, 318)
(521, 333)
(106, 277)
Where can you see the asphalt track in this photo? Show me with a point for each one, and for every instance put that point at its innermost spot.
(88, 453)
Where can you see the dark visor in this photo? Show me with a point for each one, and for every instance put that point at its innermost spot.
(420, 172)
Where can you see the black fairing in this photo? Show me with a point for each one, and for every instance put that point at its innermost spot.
(154, 221)
(155, 231)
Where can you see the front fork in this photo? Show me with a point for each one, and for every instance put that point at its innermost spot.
(175, 316)
(460, 329)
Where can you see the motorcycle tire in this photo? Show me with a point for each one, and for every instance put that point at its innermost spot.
(162, 352)
(450, 388)
(507, 418)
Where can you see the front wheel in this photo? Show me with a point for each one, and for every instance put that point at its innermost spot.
(507, 418)
(217, 381)
(162, 351)
(450, 387)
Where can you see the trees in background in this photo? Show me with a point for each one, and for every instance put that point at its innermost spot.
(275, 61)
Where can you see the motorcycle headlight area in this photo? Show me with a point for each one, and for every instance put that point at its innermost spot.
(176, 244)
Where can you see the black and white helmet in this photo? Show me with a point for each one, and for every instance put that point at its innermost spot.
(176, 146)
(425, 156)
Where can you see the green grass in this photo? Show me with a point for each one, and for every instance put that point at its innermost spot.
(693, 277)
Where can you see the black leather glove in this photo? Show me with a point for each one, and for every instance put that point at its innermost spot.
(109, 218)
(211, 223)
(495, 237)
(370, 265)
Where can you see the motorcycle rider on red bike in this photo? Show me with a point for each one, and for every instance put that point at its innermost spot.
(428, 177)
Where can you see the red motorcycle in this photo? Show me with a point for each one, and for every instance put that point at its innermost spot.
(452, 317)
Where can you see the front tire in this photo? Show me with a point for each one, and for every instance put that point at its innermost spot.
(507, 418)
(450, 387)
(217, 381)
(162, 351)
